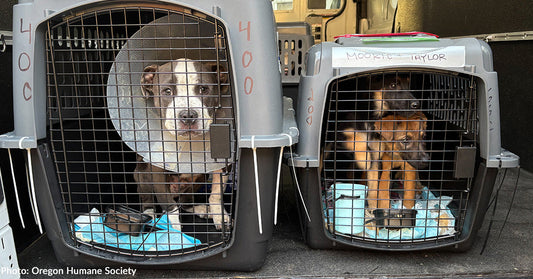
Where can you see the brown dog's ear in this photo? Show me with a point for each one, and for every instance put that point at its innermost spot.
(385, 128)
(147, 80)
(420, 116)
(403, 79)
(222, 71)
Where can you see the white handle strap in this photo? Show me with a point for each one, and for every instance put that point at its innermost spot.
(296, 179)
(34, 197)
(277, 187)
(15, 187)
(28, 187)
(257, 194)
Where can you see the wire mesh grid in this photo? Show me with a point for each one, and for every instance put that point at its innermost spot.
(132, 95)
(388, 164)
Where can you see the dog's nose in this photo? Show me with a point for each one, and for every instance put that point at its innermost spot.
(424, 161)
(415, 104)
(188, 117)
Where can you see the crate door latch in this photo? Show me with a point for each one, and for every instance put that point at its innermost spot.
(465, 161)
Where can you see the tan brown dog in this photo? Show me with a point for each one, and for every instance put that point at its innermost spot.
(391, 94)
(402, 147)
(399, 146)
(366, 151)
(388, 94)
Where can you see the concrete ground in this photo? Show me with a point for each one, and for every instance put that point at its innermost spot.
(509, 256)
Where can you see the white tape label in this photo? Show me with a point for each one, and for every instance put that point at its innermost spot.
(452, 56)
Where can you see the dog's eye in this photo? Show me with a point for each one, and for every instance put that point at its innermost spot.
(167, 92)
(203, 89)
(393, 85)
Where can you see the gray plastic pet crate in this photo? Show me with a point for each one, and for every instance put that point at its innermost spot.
(294, 39)
(80, 107)
(355, 99)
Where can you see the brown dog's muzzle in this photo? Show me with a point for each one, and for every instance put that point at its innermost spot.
(419, 160)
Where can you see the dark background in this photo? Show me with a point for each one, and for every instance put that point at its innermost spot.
(512, 60)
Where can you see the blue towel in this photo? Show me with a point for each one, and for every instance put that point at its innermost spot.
(91, 229)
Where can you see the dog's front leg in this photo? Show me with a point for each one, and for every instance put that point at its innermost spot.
(373, 188)
(366, 158)
(384, 182)
(216, 202)
(409, 193)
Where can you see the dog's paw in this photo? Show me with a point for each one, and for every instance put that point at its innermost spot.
(220, 219)
(201, 211)
(174, 219)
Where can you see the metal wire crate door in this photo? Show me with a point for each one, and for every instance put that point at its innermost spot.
(353, 139)
(95, 138)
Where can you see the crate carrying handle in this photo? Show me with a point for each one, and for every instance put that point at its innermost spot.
(277, 184)
(257, 195)
(33, 196)
(31, 186)
(295, 178)
(15, 186)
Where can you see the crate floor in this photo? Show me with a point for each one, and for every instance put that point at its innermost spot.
(510, 256)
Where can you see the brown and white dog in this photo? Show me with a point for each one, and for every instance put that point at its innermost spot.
(188, 97)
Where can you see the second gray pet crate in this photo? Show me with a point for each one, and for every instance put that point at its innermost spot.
(148, 144)
(294, 39)
(399, 141)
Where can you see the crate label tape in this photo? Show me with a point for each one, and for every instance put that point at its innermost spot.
(452, 56)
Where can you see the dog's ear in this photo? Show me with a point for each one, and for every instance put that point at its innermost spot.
(424, 125)
(147, 80)
(403, 79)
(386, 127)
(219, 68)
(421, 116)
(375, 81)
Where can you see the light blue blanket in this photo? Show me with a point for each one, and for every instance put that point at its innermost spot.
(91, 229)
